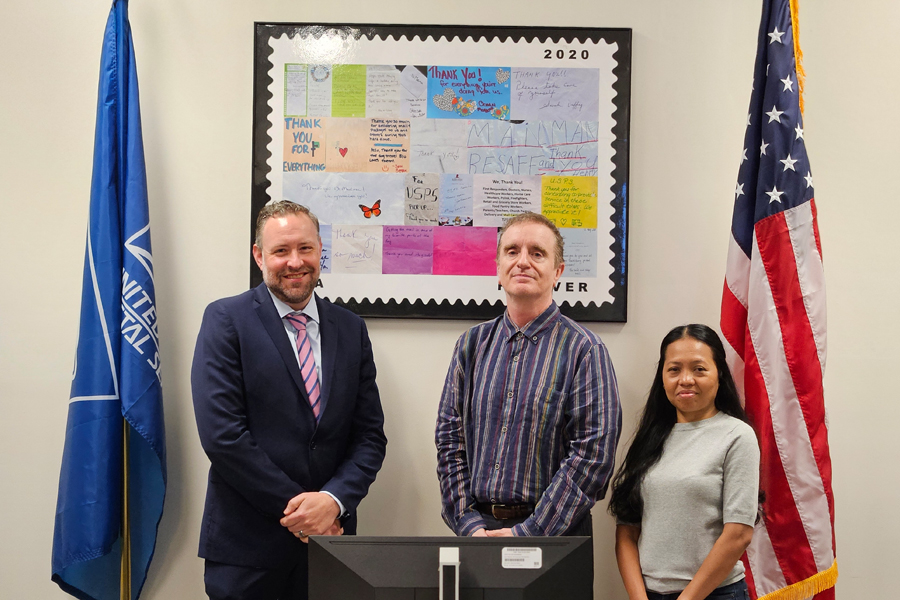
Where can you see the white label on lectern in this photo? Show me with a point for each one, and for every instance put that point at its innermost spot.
(522, 558)
(448, 556)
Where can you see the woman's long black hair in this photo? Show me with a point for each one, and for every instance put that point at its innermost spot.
(658, 419)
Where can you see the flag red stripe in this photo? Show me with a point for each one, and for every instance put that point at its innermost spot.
(815, 216)
(733, 321)
(783, 519)
(777, 254)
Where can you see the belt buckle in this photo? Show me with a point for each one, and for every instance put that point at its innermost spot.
(500, 507)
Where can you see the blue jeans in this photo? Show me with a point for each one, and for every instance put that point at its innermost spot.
(734, 591)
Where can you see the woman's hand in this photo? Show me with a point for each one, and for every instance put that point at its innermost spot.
(718, 563)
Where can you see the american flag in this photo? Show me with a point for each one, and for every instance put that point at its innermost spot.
(773, 318)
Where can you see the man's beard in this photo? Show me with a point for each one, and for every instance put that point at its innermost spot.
(292, 295)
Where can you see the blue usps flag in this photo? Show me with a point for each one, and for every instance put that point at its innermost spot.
(117, 367)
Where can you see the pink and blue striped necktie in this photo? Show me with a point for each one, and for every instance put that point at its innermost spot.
(307, 361)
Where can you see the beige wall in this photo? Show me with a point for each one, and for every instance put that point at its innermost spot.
(692, 70)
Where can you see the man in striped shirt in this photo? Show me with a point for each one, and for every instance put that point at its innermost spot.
(529, 418)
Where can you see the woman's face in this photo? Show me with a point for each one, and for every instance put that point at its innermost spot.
(691, 379)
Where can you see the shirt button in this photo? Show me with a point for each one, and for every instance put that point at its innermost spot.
(509, 394)
(516, 358)
(534, 338)
(497, 466)
(494, 500)
(503, 429)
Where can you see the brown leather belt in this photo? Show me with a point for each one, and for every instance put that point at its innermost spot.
(505, 511)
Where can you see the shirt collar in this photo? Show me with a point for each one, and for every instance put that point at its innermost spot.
(311, 310)
(536, 328)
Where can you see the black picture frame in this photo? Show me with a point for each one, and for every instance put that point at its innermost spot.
(614, 311)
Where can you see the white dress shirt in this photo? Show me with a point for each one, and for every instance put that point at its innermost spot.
(313, 331)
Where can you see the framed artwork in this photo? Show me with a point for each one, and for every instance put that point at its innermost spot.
(413, 144)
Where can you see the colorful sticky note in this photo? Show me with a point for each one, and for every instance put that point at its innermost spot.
(570, 201)
(465, 251)
(468, 92)
(348, 91)
(407, 250)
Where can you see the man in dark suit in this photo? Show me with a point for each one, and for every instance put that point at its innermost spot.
(288, 412)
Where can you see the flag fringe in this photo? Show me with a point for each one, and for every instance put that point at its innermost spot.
(808, 587)
(798, 54)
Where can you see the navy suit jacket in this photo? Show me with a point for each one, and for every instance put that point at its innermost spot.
(258, 429)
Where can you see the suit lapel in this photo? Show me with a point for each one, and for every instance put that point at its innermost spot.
(274, 326)
(328, 335)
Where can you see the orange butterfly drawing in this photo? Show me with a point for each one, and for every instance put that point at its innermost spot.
(374, 210)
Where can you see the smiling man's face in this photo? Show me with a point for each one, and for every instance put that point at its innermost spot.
(290, 258)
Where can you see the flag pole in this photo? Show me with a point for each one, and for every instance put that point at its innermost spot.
(125, 572)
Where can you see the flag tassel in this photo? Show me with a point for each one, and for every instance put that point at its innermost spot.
(798, 54)
(808, 587)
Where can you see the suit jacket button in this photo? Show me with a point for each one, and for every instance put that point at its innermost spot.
(312, 446)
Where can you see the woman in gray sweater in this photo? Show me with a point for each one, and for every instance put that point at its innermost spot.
(686, 497)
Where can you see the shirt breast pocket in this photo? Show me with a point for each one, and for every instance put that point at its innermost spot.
(541, 413)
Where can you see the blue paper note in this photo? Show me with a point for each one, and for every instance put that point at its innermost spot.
(468, 92)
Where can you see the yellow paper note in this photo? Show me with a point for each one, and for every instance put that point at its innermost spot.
(570, 201)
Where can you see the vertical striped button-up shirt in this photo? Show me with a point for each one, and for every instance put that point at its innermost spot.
(527, 415)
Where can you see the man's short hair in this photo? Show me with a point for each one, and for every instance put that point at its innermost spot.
(531, 217)
(281, 208)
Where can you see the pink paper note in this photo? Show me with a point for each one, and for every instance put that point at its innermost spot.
(465, 251)
(407, 250)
